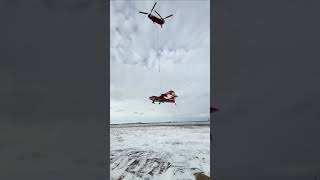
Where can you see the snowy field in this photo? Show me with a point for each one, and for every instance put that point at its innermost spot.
(159, 151)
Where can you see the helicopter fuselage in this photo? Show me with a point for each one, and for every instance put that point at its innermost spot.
(155, 19)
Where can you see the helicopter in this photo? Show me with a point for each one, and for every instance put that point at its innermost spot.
(155, 19)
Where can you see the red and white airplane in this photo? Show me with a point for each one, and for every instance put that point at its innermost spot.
(168, 97)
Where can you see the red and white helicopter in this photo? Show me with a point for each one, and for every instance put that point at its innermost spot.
(168, 97)
(155, 19)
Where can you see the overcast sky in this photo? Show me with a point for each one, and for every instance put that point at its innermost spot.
(184, 51)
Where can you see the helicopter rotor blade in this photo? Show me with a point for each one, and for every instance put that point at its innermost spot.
(153, 7)
(143, 12)
(168, 16)
(158, 14)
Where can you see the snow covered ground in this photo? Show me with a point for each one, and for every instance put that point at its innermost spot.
(159, 151)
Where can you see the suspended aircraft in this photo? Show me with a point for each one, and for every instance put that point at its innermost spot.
(155, 19)
(168, 97)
